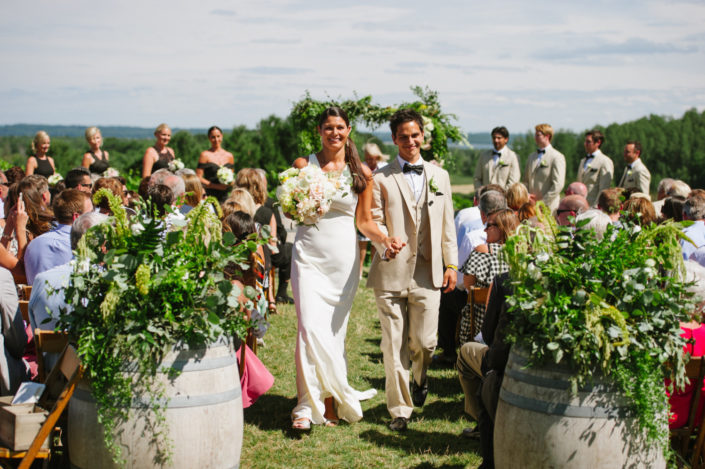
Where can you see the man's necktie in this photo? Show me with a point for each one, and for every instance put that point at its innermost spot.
(416, 168)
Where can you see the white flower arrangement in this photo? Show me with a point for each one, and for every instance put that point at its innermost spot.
(54, 179)
(175, 165)
(226, 175)
(110, 173)
(306, 194)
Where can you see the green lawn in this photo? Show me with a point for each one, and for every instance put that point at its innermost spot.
(432, 440)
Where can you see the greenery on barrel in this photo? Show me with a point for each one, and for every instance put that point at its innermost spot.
(607, 306)
(138, 289)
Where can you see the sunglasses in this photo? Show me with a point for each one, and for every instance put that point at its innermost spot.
(86, 185)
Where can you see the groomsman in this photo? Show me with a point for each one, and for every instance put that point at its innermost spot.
(501, 166)
(635, 174)
(411, 200)
(544, 174)
(596, 169)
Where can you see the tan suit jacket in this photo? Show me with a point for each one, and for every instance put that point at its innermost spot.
(392, 209)
(597, 177)
(639, 177)
(505, 173)
(546, 180)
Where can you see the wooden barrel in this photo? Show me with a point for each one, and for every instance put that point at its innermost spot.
(203, 415)
(541, 424)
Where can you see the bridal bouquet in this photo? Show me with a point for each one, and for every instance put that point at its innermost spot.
(175, 165)
(306, 194)
(226, 175)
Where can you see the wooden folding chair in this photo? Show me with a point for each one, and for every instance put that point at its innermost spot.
(48, 342)
(24, 309)
(65, 376)
(476, 296)
(26, 292)
(681, 437)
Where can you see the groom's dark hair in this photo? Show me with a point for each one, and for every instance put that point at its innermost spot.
(403, 116)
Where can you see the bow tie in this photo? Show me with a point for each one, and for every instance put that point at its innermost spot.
(495, 152)
(541, 151)
(589, 156)
(416, 168)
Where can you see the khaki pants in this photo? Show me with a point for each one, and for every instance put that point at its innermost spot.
(409, 322)
(469, 366)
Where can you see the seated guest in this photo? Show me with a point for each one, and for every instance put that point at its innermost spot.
(47, 299)
(570, 207)
(517, 196)
(80, 179)
(37, 202)
(16, 225)
(661, 193)
(114, 186)
(694, 210)
(481, 369)
(640, 211)
(239, 200)
(672, 208)
(13, 370)
(161, 197)
(598, 221)
(576, 188)
(169, 179)
(610, 202)
(54, 247)
(194, 192)
(483, 264)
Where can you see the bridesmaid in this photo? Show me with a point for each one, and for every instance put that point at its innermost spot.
(211, 161)
(159, 155)
(40, 163)
(95, 159)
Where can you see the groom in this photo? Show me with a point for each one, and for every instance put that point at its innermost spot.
(412, 201)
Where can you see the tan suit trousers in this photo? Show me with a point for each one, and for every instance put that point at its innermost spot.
(469, 366)
(409, 322)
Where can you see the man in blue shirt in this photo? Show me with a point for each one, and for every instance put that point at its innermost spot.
(54, 247)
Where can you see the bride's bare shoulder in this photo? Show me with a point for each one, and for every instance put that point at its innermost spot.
(300, 163)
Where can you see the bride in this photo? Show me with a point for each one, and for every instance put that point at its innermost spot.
(324, 278)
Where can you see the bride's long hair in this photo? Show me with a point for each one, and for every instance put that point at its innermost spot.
(352, 158)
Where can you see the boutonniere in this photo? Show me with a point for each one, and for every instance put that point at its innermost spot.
(629, 172)
(543, 163)
(590, 168)
(502, 163)
(433, 187)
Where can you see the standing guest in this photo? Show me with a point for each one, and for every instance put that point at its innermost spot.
(211, 161)
(95, 159)
(411, 200)
(159, 155)
(13, 370)
(694, 210)
(569, 208)
(40, 163)
(636, 175)
(54, 247)
(500, 166)
(79, 179)
(595, 169)
(544, 174)
(324, 279)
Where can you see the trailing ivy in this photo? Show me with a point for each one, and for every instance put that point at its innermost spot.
(606, 306)
(138, 289)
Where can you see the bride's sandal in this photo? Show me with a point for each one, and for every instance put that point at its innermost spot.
(330, 413)
(331, 423)
(301, 423)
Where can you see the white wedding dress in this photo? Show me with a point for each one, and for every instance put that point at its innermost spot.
(324, 279)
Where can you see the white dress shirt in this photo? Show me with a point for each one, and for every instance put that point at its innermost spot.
(416, 181)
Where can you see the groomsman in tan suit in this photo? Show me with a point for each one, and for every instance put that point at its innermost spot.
(501, 166)
(635, 174)
(545, 169)
(596, 169)
(412, 201)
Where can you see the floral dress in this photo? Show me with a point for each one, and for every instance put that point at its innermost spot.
(484, 266)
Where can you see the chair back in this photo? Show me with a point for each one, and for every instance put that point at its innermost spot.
(50, 342)
(682, 437)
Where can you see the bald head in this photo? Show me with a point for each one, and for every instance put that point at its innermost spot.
(576, 188)
(570, 206)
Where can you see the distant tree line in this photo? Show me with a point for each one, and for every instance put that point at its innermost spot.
(671, 148)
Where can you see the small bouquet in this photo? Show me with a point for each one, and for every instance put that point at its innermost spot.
(226, 175)
(54, 179)
(175, 165)
(306, 194)
(110, 173)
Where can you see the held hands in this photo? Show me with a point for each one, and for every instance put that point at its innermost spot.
(393, 245)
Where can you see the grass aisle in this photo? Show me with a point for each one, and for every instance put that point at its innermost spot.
(432, 440)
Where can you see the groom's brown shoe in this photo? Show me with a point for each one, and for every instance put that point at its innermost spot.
(398, 424)
(418, 393)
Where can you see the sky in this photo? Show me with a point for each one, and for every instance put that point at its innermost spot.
(195, 64)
